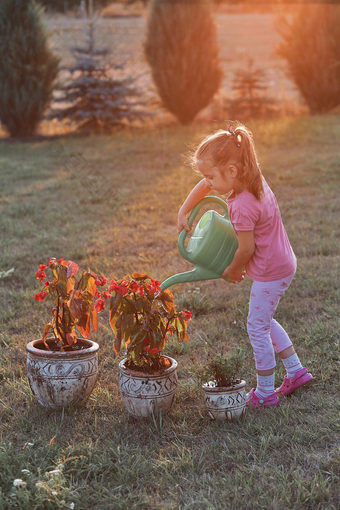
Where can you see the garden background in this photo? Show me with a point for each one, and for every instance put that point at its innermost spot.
(109, 200)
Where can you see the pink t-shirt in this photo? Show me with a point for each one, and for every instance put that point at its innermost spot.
(273, 258)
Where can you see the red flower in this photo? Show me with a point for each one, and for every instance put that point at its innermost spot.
(52, 261)
(60, 261)
(42, 267)
(134, 286)
(150, 289)
(99, 305)
(121, 288)
(47, 284)
(156, 285)
(146, 340)
(106, 294)
(40, 296)
(147, 348)
(141, 291)
(113, 286)
(154, 350)
(187, 314)
(101, 281)
(40, 275)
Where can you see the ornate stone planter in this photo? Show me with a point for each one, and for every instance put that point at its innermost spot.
(146, 394)
(225, 403)
(59, 379)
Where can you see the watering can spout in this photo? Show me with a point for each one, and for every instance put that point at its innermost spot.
(197, 274)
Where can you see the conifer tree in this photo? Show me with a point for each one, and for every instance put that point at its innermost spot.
(251, 99)
(90, 96)
(28, 68)
(181, 49)
(311, 46)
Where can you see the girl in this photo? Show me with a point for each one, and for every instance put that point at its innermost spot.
(228, 163)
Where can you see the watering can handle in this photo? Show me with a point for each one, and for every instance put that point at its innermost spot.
(208, 199)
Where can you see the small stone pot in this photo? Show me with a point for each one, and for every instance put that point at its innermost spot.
(59, 379)
(146, 394)
(225, 403)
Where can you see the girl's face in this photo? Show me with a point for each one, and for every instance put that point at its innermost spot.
(221, 180)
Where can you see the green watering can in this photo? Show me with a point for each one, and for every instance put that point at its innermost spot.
(211, 247)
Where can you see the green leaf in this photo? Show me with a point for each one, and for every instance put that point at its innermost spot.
(75, 304)
(117, 343)
(84, 324)
(129, 304)
(70, 284)
(167, 298)
(90, 284)
(137, 338)
(179, 325)
(115, 302)
(61, 282)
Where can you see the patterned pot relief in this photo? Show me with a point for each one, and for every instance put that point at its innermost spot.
(59, 379)
(225, 404)
(145, 394)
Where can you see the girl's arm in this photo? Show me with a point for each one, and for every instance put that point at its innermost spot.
(196, 194)
(244, 252)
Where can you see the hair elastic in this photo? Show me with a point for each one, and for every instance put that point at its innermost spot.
(232, 131)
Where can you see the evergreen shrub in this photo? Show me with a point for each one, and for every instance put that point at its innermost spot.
(311, 46)
(28, 68)
(251, 100)
(90, 96)
(181, 49)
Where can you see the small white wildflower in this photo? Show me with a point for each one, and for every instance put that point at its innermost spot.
(19, 483)
(72, 505)
(54, 472)
(25, 471)
(54, 493)
(26, 445)
(40, 484)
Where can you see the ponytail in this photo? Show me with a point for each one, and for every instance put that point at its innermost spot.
(249, 172)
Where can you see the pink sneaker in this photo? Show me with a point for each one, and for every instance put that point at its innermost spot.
(254, 401)
(290, 384)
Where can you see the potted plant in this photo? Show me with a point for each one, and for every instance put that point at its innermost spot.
(224, 393)
(63, 366)
(142, 318)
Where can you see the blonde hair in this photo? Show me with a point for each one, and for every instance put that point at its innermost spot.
(236, 147)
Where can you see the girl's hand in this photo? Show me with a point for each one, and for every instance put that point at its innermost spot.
(182, 221)
(236, 275)
(195, 195)
(246, 247)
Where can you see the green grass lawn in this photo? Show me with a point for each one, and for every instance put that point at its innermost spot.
(110, 202)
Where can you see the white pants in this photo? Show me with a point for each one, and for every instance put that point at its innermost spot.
(265, 333)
